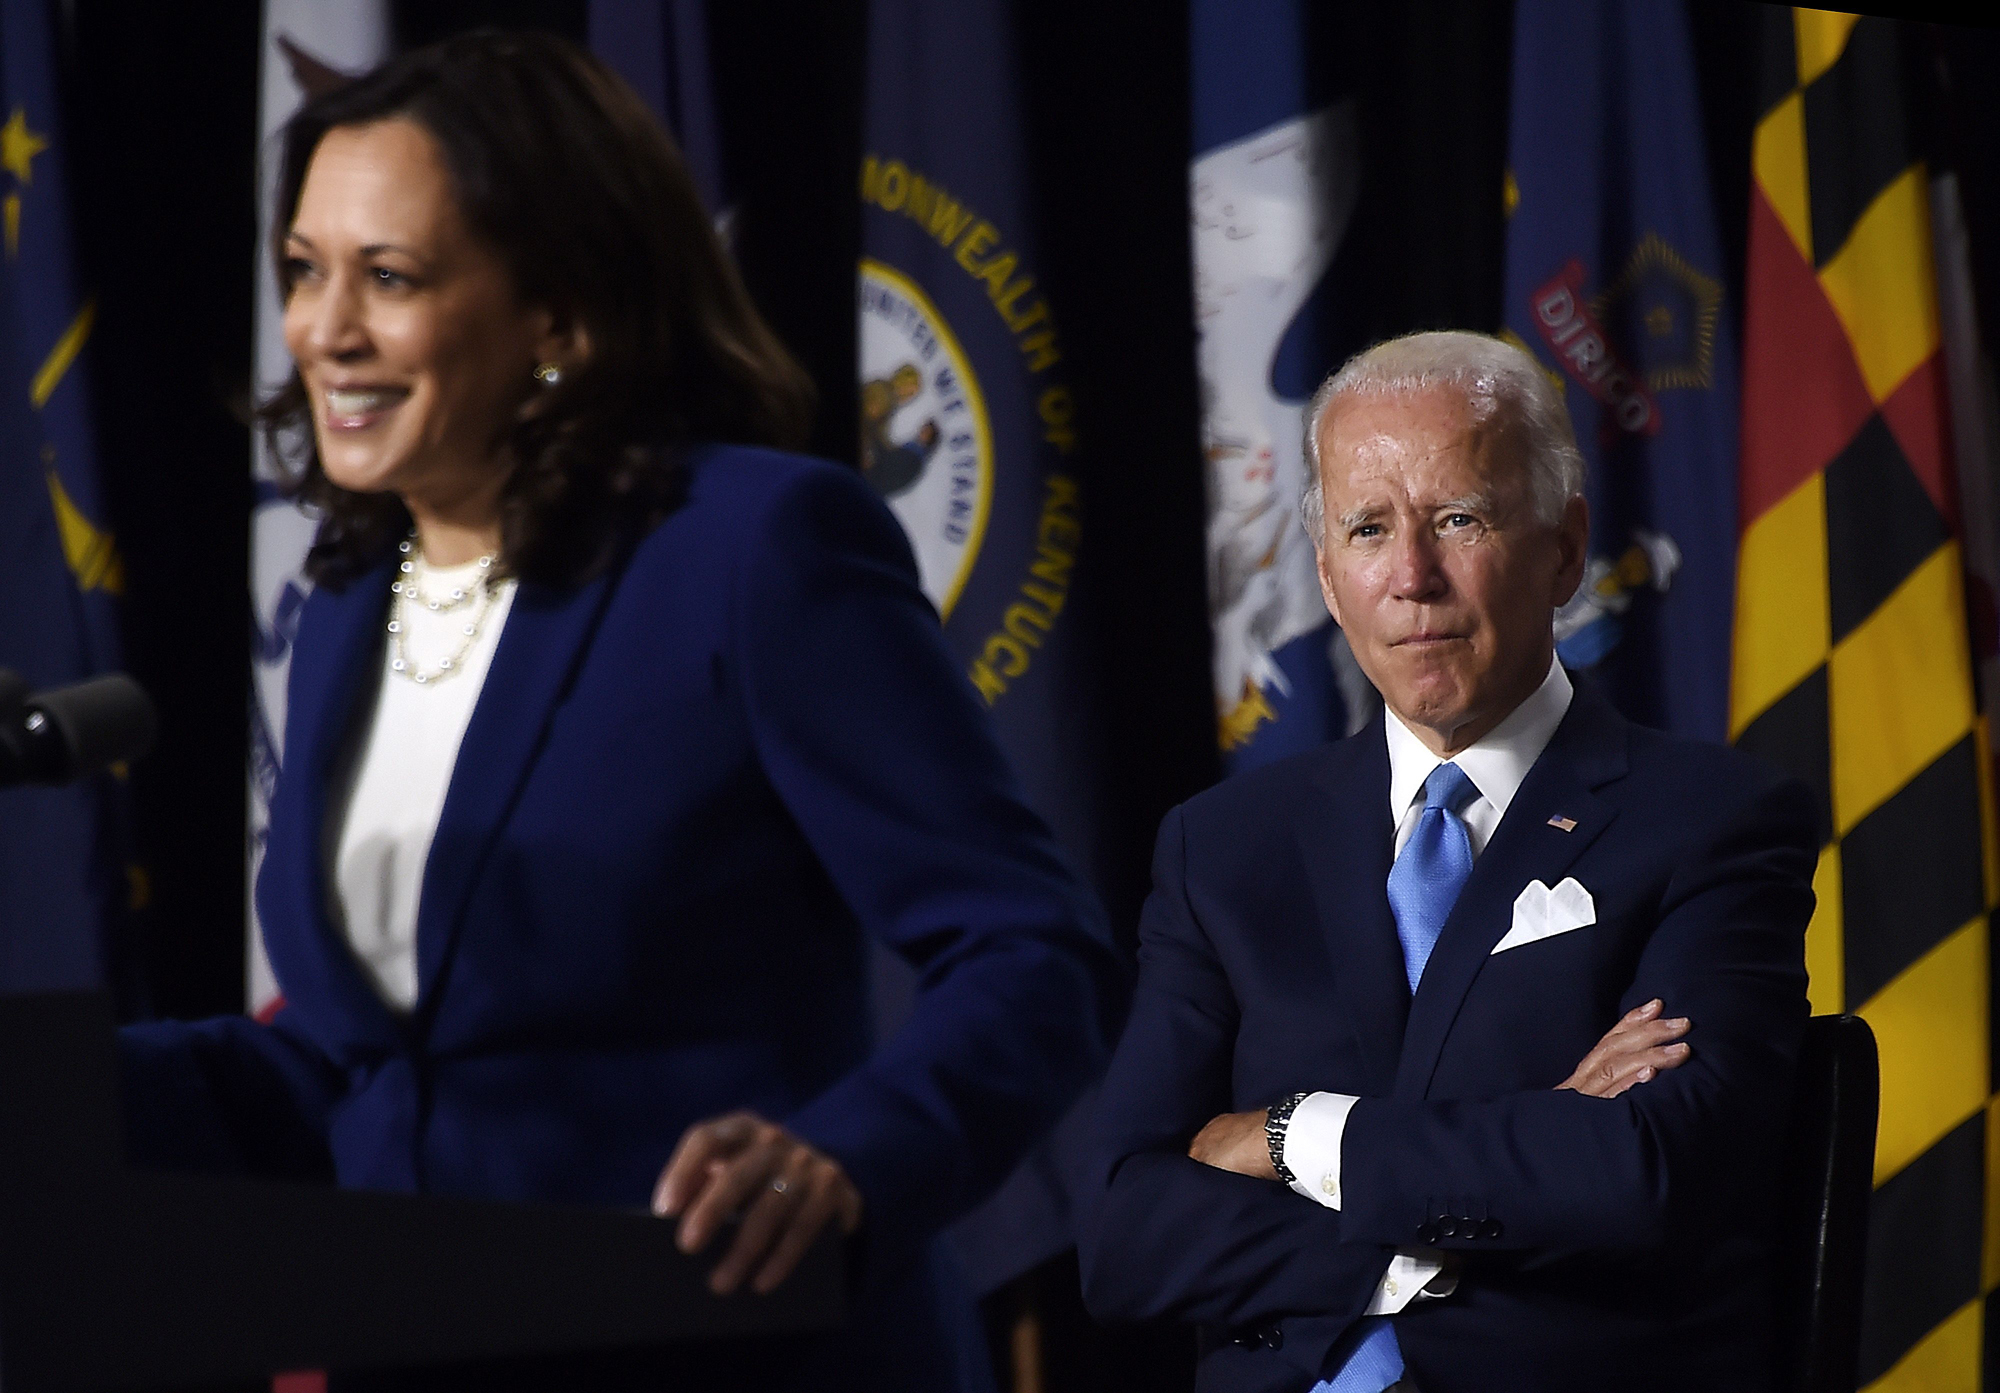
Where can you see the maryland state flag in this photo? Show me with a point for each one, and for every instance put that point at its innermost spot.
(1614, 282)
(63, 887)
(1852, 664)
(968, 429)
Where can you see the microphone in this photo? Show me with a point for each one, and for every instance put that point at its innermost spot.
(70, 732)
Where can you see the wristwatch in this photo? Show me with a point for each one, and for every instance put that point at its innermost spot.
(1276, 1122)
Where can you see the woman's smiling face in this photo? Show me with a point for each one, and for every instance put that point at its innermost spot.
(413, 346)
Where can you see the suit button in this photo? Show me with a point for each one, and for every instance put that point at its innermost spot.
(1274, 1338)
(1447, 1226)
(1427, 1233)
(1468, 1228)
(1490, 1229)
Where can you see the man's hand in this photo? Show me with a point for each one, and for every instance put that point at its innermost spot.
(1635, 1051)
(1236, 1142)
(784, 1189)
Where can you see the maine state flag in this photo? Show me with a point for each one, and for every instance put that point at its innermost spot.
(969, 430)
(1271, 191)
(63, 884)
(1614, 282)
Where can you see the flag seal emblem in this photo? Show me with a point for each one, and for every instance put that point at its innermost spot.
(1590, 625)
(926, 444)
(1663, 311)
(1585, 349)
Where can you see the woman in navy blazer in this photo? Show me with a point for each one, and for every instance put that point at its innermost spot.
(719, 743)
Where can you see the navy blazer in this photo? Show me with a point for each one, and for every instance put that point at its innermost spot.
(687, 791)
(1606, 1243)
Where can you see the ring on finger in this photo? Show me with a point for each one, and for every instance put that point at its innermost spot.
(780, 1185)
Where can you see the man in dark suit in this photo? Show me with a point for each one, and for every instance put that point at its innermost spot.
(1347, 1132)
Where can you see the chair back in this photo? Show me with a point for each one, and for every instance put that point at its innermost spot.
(1825, 1181)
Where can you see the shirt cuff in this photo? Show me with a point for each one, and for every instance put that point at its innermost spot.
(1312, 1145)
(1412, 1276)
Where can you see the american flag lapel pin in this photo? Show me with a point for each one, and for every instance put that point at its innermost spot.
(1563, 824)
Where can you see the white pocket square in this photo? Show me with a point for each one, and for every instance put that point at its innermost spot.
(1540, 913)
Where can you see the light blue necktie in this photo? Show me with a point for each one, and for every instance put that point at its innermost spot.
(1425, 881)
(1375, 1362)
(1423, 885)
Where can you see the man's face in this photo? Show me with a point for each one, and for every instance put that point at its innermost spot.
(1434, 562)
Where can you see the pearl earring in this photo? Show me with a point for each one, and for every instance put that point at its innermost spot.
(549, 374)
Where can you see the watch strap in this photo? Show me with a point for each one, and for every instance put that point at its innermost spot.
(1276, 1123)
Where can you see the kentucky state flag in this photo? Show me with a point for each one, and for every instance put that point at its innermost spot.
(969, 430)
(1614, 282)
(1271, 190)
(63, 886)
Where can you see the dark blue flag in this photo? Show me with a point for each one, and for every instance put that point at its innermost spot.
(1614, 282)
(62, 878)
(1271, 191)
(968, 429)
(661, 48)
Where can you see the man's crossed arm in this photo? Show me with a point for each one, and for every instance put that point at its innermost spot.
(1636, 1050)
(1584, 1168)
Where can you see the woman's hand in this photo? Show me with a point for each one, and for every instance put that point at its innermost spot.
(784, 1189)
(1634, 1051)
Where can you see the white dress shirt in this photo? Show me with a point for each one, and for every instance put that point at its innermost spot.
(380, 826)
(1496, 764)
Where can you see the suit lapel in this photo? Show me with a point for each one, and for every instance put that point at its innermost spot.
(335, 665)
(546, 633)
(1345, 839)
(1586, 752)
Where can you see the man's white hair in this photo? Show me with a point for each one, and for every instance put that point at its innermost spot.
(1492, 373)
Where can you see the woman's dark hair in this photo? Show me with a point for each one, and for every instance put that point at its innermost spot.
(562, 169)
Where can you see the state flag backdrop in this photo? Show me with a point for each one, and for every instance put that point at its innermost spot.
(1271, 191)
(661, 48)
(63, 883)
(308, 48)
(1614, 282)
(969, 430)
(1852, 665)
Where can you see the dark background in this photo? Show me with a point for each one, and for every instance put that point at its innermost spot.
(163, 122)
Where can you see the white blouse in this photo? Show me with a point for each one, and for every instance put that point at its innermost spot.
(387, 803)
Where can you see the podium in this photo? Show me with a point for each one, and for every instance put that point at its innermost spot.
(117, 1278)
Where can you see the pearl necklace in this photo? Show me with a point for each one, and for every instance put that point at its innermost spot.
(409, 593)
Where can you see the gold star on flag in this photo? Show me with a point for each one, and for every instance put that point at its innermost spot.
(19, 146)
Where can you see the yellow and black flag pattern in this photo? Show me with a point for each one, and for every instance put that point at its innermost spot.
(1852, 663)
